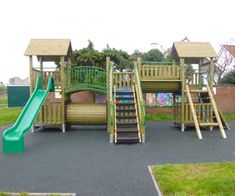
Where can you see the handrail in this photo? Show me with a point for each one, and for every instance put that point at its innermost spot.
(140, 100)
(159, 63)
(85, 77)
(194, 115)
(159, 72)
(137, 110)
(115, 115)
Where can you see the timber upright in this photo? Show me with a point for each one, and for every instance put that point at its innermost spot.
(124, 110)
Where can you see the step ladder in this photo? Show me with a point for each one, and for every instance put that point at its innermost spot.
(216, 120)
(127, 128)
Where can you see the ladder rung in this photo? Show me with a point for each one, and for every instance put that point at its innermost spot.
(198, 91)
(209, 124)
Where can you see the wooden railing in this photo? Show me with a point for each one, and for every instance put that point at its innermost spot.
(46, 74)
(123, 80)
(204, 112)
(140, 101)
(50, 113)
(194, 80)
(160, 72)
(81, 78)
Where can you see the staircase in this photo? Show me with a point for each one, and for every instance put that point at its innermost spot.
(204, 110)
(127, 128)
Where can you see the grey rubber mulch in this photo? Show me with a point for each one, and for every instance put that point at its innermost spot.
(85, 163)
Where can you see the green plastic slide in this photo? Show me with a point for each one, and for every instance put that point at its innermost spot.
(13, 138)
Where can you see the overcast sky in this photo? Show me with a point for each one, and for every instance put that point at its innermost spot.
(123, 24)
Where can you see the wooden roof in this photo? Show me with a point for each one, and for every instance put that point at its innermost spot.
(49, 47)
(193, 50)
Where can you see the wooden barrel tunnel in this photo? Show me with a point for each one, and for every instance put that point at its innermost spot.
(86, 114)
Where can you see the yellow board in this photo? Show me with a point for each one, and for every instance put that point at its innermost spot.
(160, 86)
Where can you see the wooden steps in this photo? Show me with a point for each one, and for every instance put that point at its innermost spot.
(126, 123)
(215, 117)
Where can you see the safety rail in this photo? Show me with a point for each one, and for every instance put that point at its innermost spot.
(50, 113)
(123, 80)
(83, 78)
(115, 115)
(194, 80)
(159, 72)
(140, 101)
(46, 73)
(204, 112)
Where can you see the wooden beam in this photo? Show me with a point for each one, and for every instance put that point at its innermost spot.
(182, 92)
(200, 73)
(31, 74)
(107, 72)
(216, 112)
(174, 105)
(107, 92)
(211, 73)
(199, 135)
(139, 66)
(62, 92)
(41, 65)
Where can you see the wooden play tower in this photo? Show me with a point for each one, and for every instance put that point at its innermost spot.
(124, 110)
(193, 100)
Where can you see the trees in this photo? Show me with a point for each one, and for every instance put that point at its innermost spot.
(119, 57)
(225, 60)
(87, 56)
(229, 78)
(122, 60)
(153, 55)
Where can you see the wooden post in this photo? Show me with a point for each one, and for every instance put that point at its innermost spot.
(31, 83)
(139, 66)
(174, 105)
(44, 85)
(107, 91)
(62, 92)
(216, 112)
(211, 73)
(182, 93)
(107, 72)
(31, 74)
(41, 66)
(193, 113)
(200, 73)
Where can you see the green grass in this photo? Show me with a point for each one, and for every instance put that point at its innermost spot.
(229, 116)
(196, 179)
(159, 117)
(3, 101)
(8, 115)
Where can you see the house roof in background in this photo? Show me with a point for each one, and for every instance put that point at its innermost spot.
(230, 49)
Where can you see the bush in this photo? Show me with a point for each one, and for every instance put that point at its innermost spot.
(229, 78)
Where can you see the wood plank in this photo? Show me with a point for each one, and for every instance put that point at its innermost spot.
(209, 124)
(214, 106)
(193, 113)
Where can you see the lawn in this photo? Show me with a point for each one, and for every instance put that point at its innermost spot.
(229, 116)
(3, 101)
(159, 117)
(196, 179)
(8, 115)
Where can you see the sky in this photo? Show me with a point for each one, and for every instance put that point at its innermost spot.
(123, 24)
